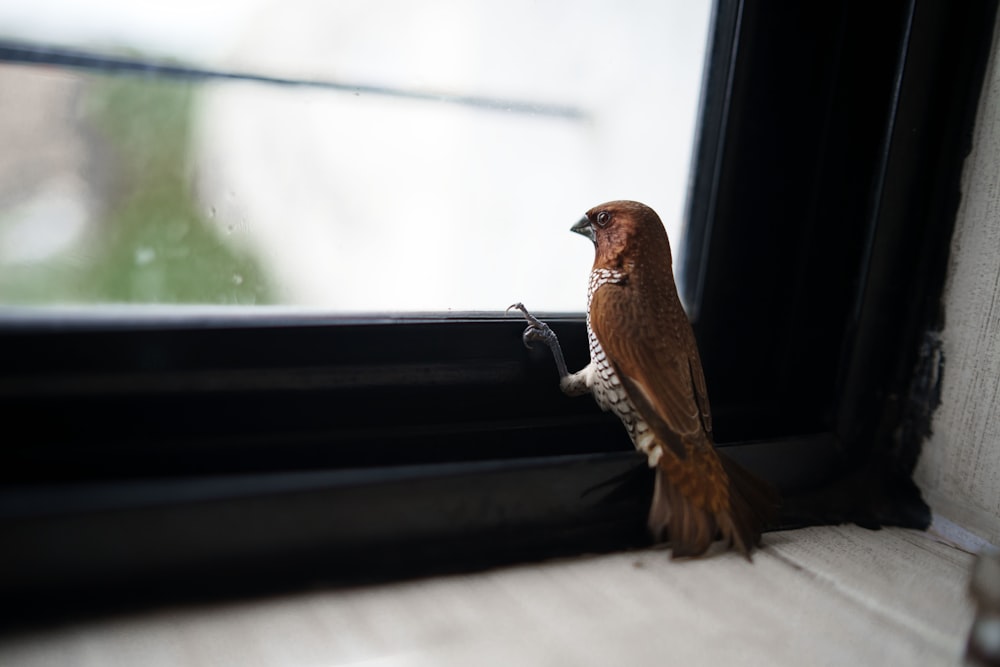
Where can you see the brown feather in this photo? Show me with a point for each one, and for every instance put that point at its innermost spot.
(653, 355)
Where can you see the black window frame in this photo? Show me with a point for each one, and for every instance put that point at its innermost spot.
(165, 451)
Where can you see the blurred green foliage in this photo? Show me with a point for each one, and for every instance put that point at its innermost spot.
(151, 243)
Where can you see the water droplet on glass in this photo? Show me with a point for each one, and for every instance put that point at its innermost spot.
(237, 279)
(230, 228)
(144, 255)
(211, 212)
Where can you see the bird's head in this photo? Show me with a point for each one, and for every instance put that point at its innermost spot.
(622, 231)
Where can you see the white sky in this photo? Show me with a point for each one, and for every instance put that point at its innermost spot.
(201, 30)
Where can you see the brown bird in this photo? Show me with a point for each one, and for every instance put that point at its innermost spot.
(644, 366)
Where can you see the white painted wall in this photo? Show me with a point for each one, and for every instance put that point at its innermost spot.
(959, 468)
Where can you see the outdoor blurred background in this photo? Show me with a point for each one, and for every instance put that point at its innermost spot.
(147, 189)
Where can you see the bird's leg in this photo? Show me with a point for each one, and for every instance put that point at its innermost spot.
(540, 331)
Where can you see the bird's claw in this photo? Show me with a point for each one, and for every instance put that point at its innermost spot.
(540, 331)
(518, 306)
(536, 329)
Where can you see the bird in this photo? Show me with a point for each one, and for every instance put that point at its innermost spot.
(645, 368)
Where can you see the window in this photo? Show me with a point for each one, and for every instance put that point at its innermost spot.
(379, 157)
(203, 446)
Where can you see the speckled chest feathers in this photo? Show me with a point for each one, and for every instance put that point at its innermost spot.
(604, 382)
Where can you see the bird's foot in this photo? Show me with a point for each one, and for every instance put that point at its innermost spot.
(536, 331)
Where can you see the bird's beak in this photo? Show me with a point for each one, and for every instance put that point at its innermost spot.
(584, 227)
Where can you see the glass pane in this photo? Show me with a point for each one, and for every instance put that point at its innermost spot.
(402, 156)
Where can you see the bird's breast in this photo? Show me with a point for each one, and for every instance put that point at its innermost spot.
(607, 387)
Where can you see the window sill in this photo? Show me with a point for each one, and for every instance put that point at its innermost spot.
(838, 595)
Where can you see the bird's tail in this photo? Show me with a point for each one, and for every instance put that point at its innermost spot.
(754, 504)
(729, 502)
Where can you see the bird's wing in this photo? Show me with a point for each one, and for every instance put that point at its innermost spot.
(664, 381)
(700, 389)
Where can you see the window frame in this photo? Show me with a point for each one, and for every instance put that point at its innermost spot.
(164, 451)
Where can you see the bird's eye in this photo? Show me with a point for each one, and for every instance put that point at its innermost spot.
(603, 218)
